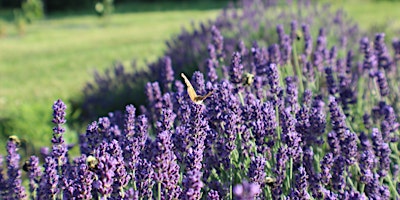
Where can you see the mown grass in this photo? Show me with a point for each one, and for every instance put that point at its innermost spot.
(58, 55)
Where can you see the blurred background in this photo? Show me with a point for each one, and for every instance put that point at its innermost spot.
(52, 49)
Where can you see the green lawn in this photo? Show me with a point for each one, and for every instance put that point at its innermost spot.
(58, 55)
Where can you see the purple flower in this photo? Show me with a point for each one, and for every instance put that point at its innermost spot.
(256, 172)
(59, 150)
(192, 184)
(199, 83)
(236, 69)
(308, 69)
(14, 187)
(338, 119)
(382, 151)
(213, 195)
(259, 60)
(217, 41)
(144, 179)
(317, 121)
(330, 81)
(332, 57)
(381, 52)
(367, 165)
(313, 176)
(34, 174)
(246, 191)
(326, 166)
(279, 171)
(242, 48)
(83, 178)
(48, 187)
(211, 72)
(130, 144)
(3, 181)
(292, 93)
(338, 169)
(349, 147)
(396, 49)
(274, 55)
(281, 33)
(289, 135)
(300, 190)
(307, 40)
(273, 78)
(382, 83)
(105, 170)
(167, 74)
(293, 30)
(121, 177)
(286, 49)
(166, 167)
(370, 60)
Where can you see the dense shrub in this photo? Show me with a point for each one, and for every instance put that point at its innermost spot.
(257, 23)
(300, 119)
(267, 137)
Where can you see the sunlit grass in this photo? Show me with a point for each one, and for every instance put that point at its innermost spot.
(56, 57)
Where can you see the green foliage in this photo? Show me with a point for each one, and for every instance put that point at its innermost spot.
(104, 8)
(3, 28)
(33, 10)
(19, 22)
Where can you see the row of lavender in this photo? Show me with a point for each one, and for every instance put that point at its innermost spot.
(246, 131)
(252, 20)
(291, 120)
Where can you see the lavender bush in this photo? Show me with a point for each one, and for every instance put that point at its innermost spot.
(251, 21)
(295, 120)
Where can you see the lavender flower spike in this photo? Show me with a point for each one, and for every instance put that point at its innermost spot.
(14, 182)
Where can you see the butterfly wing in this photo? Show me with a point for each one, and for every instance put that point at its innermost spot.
(190, 89)
(201, 98)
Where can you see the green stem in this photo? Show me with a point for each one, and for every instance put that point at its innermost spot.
(159, 190)
(297, 68)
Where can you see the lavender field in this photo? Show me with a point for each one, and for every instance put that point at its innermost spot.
(303, 105)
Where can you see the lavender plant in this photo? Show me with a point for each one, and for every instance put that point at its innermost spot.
(277, 135)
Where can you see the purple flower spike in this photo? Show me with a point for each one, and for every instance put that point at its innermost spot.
(300, 191)
(367, 165)
(167, 74)
(34, 174)
(236, 69)
(326, 165)
(144, 179)
(338, 119)
(48, 187)
(330, 81)
(382, 83)
(280, 171)
(3, 182)
(15, 190)
(192, 184)
(273, 78)
(217, 41)
(338, 169)
(307, 40)
(382, 151)
(211, 72)
(396, 49)
(257, 170)
(349, 147)
(292, 93)
(381, 52)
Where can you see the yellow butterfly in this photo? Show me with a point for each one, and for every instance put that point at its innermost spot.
(192, 94)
